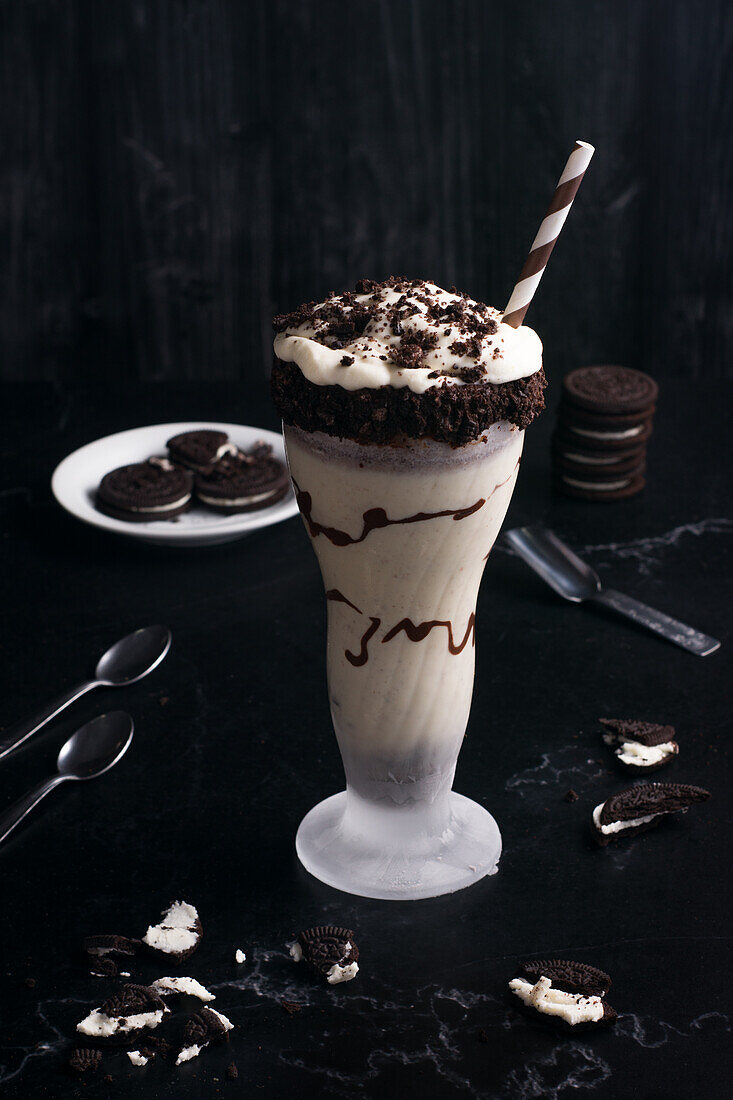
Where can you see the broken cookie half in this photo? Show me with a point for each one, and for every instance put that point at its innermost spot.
(178, 934)
(641, 808)
(133, 1009)
(565, 993)
(331, 952)
(206, 1026)
(640, 746)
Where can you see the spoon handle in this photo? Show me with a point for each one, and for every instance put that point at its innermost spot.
(671, 629)
(15, 814)
(21, 731)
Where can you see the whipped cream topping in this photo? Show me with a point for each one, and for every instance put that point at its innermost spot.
(574, 1008)
(455, 335)
(619, 826)
(644, 756)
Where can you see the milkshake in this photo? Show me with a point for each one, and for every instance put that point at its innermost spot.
(404, 408)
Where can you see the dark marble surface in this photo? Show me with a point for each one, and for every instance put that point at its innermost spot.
(233, 745)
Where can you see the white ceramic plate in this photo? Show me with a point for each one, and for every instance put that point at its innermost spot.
(75, 480)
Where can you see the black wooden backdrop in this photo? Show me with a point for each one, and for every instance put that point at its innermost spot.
(173, 171)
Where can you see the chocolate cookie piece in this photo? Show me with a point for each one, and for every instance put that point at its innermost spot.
(104, 968)
(641, 808)
(331, 952)
(243, 482)
(641, 746)
(564, 993)
(110, 945)
(179, 932)
(206, 1026)
(610, 389)
(84, 1060)
(199, 448)
(145, 491)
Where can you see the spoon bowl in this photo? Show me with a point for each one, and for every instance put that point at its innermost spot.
(92, 750)
(97, 746)
(134, 656)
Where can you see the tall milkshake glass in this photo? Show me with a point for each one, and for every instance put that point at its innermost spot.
(402, 530)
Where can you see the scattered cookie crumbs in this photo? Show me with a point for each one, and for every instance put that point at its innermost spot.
(483, 1035)
(30, 983)
(137, 1058)
(232, 1071)
(291, 1007)
(570, 796)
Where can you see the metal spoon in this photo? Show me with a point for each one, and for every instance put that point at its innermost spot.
(92, 750)
(125, 662)
(574, 580)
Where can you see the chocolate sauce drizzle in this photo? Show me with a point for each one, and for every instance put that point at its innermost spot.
(372, 520)
(416, 632)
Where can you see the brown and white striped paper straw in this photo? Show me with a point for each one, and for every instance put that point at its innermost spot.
(549, 231)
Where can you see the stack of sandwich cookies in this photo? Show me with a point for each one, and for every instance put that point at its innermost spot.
(604, 422)
(564, 993)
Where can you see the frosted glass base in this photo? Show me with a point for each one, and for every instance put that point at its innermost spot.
(400, 854)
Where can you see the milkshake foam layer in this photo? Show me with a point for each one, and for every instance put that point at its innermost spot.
(402, 535)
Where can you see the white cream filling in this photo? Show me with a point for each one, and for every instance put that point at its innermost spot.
(342, 973)
(162, 507)
(100, 1025)
(137, 1058)
(590, 460)
(629, 433)
(599, 487)
(519, 349)
(233, 501)
(182, 985)
(224, 1020)
(175, 934)
(188, 1053)
(619, 826)
(296, 951)
(633, 752)
(574, 1008)
(239, 956)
